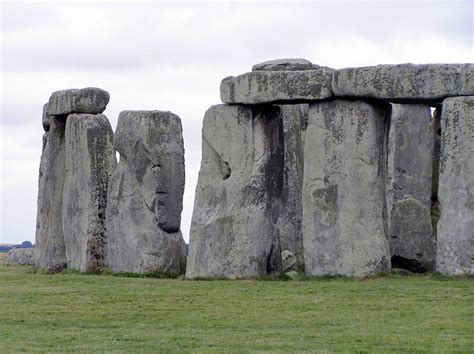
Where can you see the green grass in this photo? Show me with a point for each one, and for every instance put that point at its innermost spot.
(91, 313)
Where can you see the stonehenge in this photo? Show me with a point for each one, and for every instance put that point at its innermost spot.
(305, 169)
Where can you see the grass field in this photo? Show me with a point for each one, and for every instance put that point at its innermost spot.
(90, 313)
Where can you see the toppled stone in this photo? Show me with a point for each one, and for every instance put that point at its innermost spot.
(20, 256)
(455, 244)
(409, 190)
(343, 190)
(90, 100)
(405, 82)
(233, 231)
(50, 248)
(285, 65)
(277, 86)
(90, 160)
(288, 260)
(294, 117)
(145, 196)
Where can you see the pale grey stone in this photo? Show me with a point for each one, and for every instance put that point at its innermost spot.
(277, 86)
(87, 100)
(344, 230)
(292, 64)
(405, 82)
(455, 251)
(411, 237)
(294, 117)
(145, 196)
(20, 256)
(409, 174)
(50, 248)
(234, 231)
(288, 260)
(90, 160)
(292, 274)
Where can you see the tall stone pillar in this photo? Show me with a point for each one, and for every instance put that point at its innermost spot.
(455, 243)
(344, 227)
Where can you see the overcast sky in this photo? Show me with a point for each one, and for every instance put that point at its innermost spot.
(173, 55)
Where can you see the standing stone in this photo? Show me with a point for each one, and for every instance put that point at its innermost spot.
(455, 251)
(50, 252)
(291, 209)
(90, 160)
(145, 196)
(343, 190)
(409, 176)
(234, 231)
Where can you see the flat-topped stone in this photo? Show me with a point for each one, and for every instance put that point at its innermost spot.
(20, 256)
(405, 82)
(278, 86)
(284, 65)
(90, 100)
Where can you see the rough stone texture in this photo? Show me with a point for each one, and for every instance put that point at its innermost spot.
(234, 230)
(455, 251)
(285, 65)
(436, 126)
(289, 221)
(90, 160)
(145, 196)
(409, 174)
(405, 82)
(288, 260)
(20, 256)
(277, 86)
(50, 248)
(88, 100)
(343, 190)
(411, 237)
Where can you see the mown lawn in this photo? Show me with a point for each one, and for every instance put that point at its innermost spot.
(90, 313)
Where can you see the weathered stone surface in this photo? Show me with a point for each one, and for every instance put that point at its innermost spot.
(234, 230)
(45, 120)
(288, 260)
(285, 65)
(409, 174)
(344, 231)
(277, 86)
(87, 100)
(90, 160)
(50, 248)
(20, 256)
(411, 237)
(455, 251)
(405, 82)
(291, 209)
(145, 196)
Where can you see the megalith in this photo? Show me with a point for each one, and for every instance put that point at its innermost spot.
(50, 252)
(455, 237)
(294, 118)
(90, 161)
(409, 187)
(234, 230)
(344, 227)
(145, 195)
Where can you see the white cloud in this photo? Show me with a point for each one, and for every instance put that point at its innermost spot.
(172, 56)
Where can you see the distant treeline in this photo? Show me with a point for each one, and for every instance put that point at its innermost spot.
(24, 244)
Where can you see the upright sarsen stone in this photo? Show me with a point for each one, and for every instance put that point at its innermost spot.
(234, 230)
(455, 243)
(343, 190)
(294, 118)
(90, 160)
(145, 196)
(409, 187)
(50, 252)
